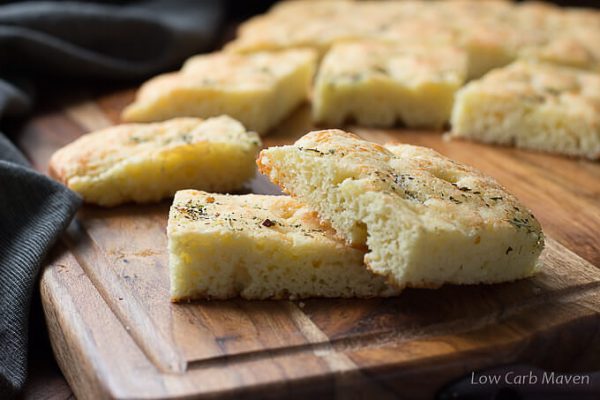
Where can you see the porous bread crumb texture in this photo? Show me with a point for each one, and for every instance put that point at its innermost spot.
(258, 89)
(147, 162)
(534, 106)
(260, 247)
(493, 33)
(379, 84)
(425, 219)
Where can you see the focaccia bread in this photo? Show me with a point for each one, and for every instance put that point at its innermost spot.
(481, 30)
(557, 35)
(300, 24)
(260, 247)
(323, 24)
(425, 219)
(492, 33)
(259, 89)
(378, 84)
(533, 106)
(147, 162)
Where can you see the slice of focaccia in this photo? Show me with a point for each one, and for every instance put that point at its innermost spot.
(492, 33)
(302, 24)
(558, 35)
(534, 106)
(379, 84)
(259, 247)
(147, 162)
(425, 219)
(258, 89)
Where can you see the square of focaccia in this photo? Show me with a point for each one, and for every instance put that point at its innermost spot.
(147, 162)
(531, 31)
(260, 247)
(492, 33)
(259, 89)
(534, 106)
(378, 84)
(481, 29)
(320, 25)
(303, 24)
(425, 219)
(567, 50)
(486, 45)
(557, 35)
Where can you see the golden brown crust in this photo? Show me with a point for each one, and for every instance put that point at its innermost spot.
(146, 162)
(257, 89)
(95, 152)
(495, 32)
(435, 181)
(426, 220)
(542, 107)
(258, 247)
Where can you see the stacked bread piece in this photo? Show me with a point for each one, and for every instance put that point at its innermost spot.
(364, 220)
(425, 220)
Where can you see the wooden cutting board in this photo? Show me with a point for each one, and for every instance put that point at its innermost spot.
(115, 333)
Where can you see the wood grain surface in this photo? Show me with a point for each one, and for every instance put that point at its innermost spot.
(116, 335)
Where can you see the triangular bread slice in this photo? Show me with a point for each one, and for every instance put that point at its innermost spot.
(426, 220)
(259, 247)
(147, 162)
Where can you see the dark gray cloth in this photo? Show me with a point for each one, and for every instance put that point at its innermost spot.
(66, 40)
(100, 40)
